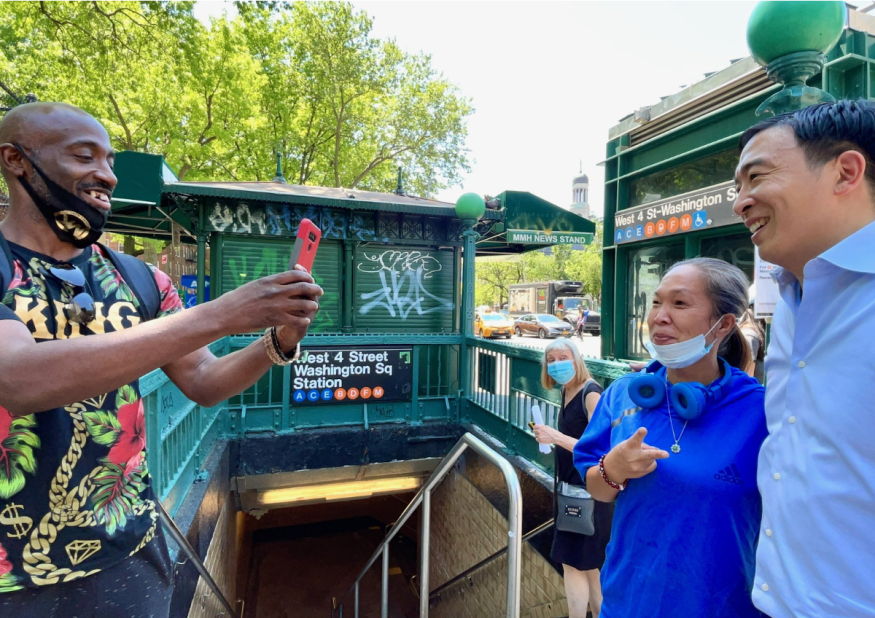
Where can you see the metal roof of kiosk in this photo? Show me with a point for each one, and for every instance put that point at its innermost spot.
(149, 196)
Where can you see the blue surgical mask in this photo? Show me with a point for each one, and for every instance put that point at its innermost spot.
(562, 371)
(681, 354)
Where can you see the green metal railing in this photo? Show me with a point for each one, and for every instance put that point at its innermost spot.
(179, 433)
(504, 382)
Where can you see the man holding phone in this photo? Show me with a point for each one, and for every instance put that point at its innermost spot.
(75, 339)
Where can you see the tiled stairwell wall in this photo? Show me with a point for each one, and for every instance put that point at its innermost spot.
(466, 528)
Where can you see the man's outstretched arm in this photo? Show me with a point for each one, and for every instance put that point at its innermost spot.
(41, 376)
(208, 380)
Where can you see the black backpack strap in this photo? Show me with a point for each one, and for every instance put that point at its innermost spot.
(140, 279)
(6, 262)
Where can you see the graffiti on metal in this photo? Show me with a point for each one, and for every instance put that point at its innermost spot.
(403, 283)
(268, 220)
(400, 261)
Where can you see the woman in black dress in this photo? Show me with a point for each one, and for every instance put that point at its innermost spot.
(581, 556)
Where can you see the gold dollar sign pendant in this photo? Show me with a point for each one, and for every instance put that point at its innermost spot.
(21, 524)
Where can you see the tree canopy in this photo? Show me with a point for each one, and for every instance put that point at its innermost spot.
(307, 80)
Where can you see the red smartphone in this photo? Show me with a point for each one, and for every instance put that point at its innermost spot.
(306, 244)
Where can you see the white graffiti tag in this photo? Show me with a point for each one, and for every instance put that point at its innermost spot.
(401, 283)
(400, 262)
(403, 294)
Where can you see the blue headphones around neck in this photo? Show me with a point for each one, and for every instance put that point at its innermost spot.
(688, 399)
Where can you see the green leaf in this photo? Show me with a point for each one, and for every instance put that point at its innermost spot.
(126, 395)
(16, 456)
(103, 426)
(115, 496)
(11, 481)
(9, 583)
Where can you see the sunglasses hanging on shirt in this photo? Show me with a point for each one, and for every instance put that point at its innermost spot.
(80, 308)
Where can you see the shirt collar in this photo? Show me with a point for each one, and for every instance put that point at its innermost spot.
(854, 253)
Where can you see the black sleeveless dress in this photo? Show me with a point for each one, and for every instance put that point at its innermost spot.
(577, 550)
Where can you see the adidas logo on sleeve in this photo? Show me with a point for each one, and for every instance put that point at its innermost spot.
(730, 474)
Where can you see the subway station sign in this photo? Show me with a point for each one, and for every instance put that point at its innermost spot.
(702, 209)
(347, 375)
(539, 237)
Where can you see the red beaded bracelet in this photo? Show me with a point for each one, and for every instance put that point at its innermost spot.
(620, 486)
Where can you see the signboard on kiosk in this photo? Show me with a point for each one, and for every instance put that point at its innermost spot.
(538, 237)
(702, 209)
(352, 375)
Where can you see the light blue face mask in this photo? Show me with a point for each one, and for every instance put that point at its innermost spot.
(681, 354)
(562, 371)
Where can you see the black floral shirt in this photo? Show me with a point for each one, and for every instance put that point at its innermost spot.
(75, 491)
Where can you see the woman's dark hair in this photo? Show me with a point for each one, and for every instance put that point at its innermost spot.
(826, 130)
(727, 287)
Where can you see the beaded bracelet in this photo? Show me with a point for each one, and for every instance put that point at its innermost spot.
(274, 351)
(620, 486)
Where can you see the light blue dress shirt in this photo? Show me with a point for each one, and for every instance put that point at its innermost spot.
(816, 469)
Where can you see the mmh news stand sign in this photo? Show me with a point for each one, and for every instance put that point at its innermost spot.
(702, 209)
(341, 375)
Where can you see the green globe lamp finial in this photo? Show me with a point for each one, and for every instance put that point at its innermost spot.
(791, 39)
(470, 206)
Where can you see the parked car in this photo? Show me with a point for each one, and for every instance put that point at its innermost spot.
(543, 325)
(492, 325)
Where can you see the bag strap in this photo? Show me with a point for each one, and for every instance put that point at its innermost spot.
(140, 279)
(6, 262)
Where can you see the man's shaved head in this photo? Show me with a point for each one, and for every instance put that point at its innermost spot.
(35, 125)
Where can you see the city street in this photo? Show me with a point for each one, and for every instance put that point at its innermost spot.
(589, 346)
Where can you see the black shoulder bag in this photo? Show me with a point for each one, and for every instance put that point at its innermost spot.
(576, 506)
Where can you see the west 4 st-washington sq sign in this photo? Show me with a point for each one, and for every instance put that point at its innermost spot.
(535, 237)
(706, 208)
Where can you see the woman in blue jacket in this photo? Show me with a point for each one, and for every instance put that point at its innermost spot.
(676, 447)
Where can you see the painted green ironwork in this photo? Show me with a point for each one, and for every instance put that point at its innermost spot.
(504, 382)
(179, 433)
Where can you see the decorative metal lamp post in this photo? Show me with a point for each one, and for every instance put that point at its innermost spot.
(791, 39)
(470, 208)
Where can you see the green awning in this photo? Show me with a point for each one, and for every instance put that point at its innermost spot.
(533, 223)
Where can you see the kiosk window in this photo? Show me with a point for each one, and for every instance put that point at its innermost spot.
(646, 267)
(736, 249)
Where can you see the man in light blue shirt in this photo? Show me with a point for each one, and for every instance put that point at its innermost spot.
(806, 191)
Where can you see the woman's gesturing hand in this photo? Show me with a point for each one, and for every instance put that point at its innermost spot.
(632, 458)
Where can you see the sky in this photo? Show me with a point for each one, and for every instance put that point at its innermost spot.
(549, 79)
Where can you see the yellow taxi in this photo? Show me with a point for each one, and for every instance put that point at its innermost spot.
(492, 325)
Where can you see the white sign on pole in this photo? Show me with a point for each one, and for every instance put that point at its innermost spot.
(766, 293)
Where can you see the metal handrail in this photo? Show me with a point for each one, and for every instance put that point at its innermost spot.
(528, 535)
(423, 497)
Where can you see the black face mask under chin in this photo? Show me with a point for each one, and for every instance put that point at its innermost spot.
(72, 219)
